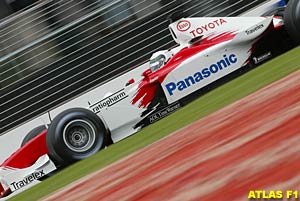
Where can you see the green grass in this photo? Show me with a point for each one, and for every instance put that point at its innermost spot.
(208, 103)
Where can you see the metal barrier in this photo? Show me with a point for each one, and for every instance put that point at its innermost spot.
(59, 49)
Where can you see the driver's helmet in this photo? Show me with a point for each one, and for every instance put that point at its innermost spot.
(158, 59)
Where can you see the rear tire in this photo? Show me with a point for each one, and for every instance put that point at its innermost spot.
(292, 19)
(32, 134)
(75, 134)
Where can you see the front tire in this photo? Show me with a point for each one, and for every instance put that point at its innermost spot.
(292, 19)
(75, 134)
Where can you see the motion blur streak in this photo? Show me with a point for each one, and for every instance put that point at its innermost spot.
(251, 144)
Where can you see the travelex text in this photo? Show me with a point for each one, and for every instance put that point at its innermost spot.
(205, 73)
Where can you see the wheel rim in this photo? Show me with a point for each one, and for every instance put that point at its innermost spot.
(79, 135)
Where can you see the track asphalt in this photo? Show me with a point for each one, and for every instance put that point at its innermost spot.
(252, 144)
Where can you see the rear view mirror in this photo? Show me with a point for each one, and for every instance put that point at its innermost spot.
(129, 82)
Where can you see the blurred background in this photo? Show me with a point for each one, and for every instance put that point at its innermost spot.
(53, 50)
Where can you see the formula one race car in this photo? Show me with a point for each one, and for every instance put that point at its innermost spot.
(209, 49)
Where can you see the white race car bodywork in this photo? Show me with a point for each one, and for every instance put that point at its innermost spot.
(220, 59)
(248, 28)
(14, 178)
(208, 49)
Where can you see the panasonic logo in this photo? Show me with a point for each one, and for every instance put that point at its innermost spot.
(205, 73)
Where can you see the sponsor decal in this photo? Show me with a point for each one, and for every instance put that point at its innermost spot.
(154, 114)
(205, 73)
(34, 176)
(262, 58)
(255, 29)
(183, 25)
(207, 27)
(164, 112)
(146, 90)
(108, 101)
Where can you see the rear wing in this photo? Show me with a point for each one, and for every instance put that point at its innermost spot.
(186, 29)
